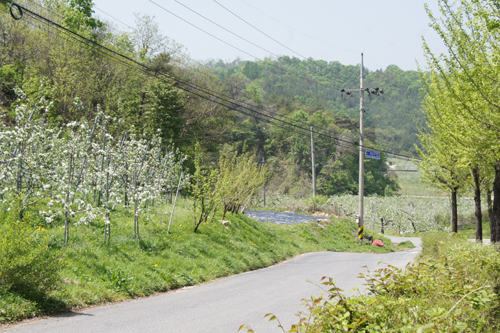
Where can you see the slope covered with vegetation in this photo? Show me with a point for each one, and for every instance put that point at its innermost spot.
(171, 92)
(313, 85)
(48, 278)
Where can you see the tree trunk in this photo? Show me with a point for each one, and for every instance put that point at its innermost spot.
(454, 212)
(197, 224)
(224, 211)
(477, 201)
(495, 221)
(489, 192)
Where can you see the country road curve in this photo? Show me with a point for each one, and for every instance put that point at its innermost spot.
(223, 305)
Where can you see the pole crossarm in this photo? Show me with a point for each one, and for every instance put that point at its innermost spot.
(373, 91)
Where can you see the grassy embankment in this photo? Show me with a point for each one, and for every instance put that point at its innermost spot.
(91, 272)
(454, 287)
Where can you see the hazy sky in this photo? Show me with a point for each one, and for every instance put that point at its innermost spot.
(387, 31)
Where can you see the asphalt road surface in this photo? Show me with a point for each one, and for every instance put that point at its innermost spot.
(224, 305)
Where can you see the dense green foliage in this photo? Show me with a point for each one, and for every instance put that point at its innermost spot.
(240, 177)
(26, 264)
(460, 150)
(290, 84)
(95, 272)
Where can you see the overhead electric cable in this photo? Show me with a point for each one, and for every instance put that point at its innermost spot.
(309, 36)
(262, 32)
(191, 24)
(187, 86)
(300, 32)
(285, 70)
(220, 26)
(114, 18)
(251, 55)
(214, 136)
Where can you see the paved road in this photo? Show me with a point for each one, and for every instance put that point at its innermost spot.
(224, 305)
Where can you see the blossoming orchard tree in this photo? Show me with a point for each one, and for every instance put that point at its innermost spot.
(80, 170)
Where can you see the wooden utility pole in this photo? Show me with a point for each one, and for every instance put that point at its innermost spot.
(313, 162)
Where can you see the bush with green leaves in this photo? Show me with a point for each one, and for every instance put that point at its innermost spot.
(27, 264)
(232, 184)
(204, 191)
(239, 179)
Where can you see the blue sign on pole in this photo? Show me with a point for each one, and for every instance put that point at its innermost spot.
(372, 154)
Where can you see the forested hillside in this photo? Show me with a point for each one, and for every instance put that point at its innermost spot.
(315, 85)
(144, 82)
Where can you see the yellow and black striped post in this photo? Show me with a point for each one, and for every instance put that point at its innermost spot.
(360, 228)
(360, 233)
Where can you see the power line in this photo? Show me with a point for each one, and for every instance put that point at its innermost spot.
(187, 86)
(234, 34)
(191, 24)
(300, 32)
(327, 167)
(285, 70)
(262, 32)
(114, 18)
(198, 28)
(237, 48)
(214, 136)
(255, 57)
(304, 34)
(274, 113)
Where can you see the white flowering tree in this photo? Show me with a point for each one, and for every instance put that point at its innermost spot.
(25, 164)
(80, 169)
(400, 213)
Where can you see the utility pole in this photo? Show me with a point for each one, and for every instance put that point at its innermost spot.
(375, 91)
(361, 152)
(263, 164)
(313, 163)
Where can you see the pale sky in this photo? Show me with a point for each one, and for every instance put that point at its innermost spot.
(387, 31)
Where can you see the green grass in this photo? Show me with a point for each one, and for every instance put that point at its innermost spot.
(470, 230)
(410, 182)
(95, 273)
